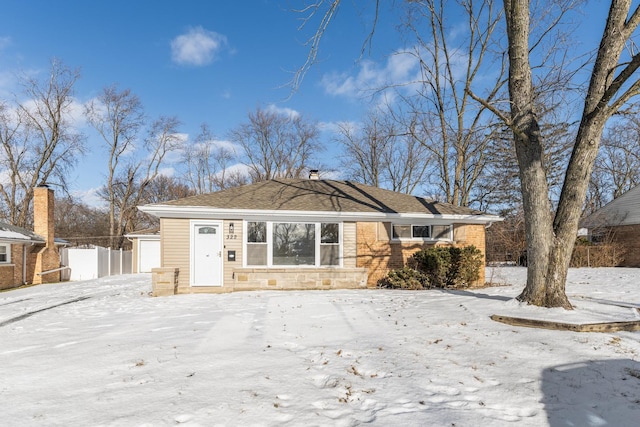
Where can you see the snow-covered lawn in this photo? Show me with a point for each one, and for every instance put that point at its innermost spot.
(105, 353)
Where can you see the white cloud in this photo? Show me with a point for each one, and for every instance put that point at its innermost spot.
(90, 197)
(197, 47)
(336, 127)
(400, 69)
(283, 110)
(168, 172)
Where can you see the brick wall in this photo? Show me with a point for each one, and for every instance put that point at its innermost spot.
(6, 276)
(11, 274)
(379, 254)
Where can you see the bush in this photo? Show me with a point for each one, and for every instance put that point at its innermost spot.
(405, 278)
(435, 263)
(468, 268)
(449, 267)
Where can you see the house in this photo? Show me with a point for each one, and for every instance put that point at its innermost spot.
(300, 234)
(619, 220)
(30, 256)
(145, 246)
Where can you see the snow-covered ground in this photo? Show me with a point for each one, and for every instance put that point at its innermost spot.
(105, 353)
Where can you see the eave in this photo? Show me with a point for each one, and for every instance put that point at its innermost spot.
(203, 212)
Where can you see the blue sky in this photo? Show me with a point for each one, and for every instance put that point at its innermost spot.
(203, 61)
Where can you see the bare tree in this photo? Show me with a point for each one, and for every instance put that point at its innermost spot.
(384, 151)
(551, 238)
(131, 183)
(160, 189)
(277, 145)
(449, 65)
(39, 143)
(363, 149)
(208, 164)
(80, 224)
(612, 84)
(617, 166)
(117, 116)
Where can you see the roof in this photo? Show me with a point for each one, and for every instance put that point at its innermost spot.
(11, 233)
(311, 196)
(623, 210)
(149, 233)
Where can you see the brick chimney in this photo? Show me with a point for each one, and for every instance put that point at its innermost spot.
(47, 257)
(43, 222)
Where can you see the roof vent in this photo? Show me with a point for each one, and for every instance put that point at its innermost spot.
(314, 174)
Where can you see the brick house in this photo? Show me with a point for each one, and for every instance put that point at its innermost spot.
(300, 234)
(27, 257)
(619, 222)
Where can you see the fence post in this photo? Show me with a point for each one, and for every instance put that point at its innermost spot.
(97, 261)
(121, 260)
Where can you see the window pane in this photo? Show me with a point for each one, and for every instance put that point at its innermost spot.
(330, 233)
(3, 254)
(257, 232)
(330, 255)
(294, 244)
(256, 254)
(442, 232)
(207, 230)
(422, 231)
(401, 231)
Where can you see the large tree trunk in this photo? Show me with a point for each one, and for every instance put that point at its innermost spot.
(550, 243)
(541, 240)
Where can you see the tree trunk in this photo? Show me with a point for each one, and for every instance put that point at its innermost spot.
(544, 251)
(550, 244)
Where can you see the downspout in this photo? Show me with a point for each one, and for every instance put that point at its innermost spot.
(24, 264)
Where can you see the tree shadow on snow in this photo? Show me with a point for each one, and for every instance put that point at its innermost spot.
(592, 393)
(476, 294)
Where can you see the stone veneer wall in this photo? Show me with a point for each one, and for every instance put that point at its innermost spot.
(379, 254)
(299, 278)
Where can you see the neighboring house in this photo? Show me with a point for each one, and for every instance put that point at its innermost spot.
(146, 250)
(30, 256)
(619, 221)
(301, 234)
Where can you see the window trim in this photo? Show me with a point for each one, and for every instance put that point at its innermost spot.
(318, 244)
(421, 239)
(8, 253)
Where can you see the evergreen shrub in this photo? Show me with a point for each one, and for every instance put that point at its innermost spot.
(439, 267)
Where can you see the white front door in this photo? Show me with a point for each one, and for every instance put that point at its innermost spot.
(206, 254)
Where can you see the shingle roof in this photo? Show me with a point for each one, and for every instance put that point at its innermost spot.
(319, 196)
(10, 232)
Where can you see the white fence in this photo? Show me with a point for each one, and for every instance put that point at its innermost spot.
(94, 263)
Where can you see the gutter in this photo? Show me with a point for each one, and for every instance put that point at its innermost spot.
(202, 212)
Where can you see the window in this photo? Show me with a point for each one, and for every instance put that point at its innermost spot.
(292, 244)
(5, 253)
(329, 244)
(256, 243)
(421, 232)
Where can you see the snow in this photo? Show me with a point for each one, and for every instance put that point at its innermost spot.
(105, 353)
